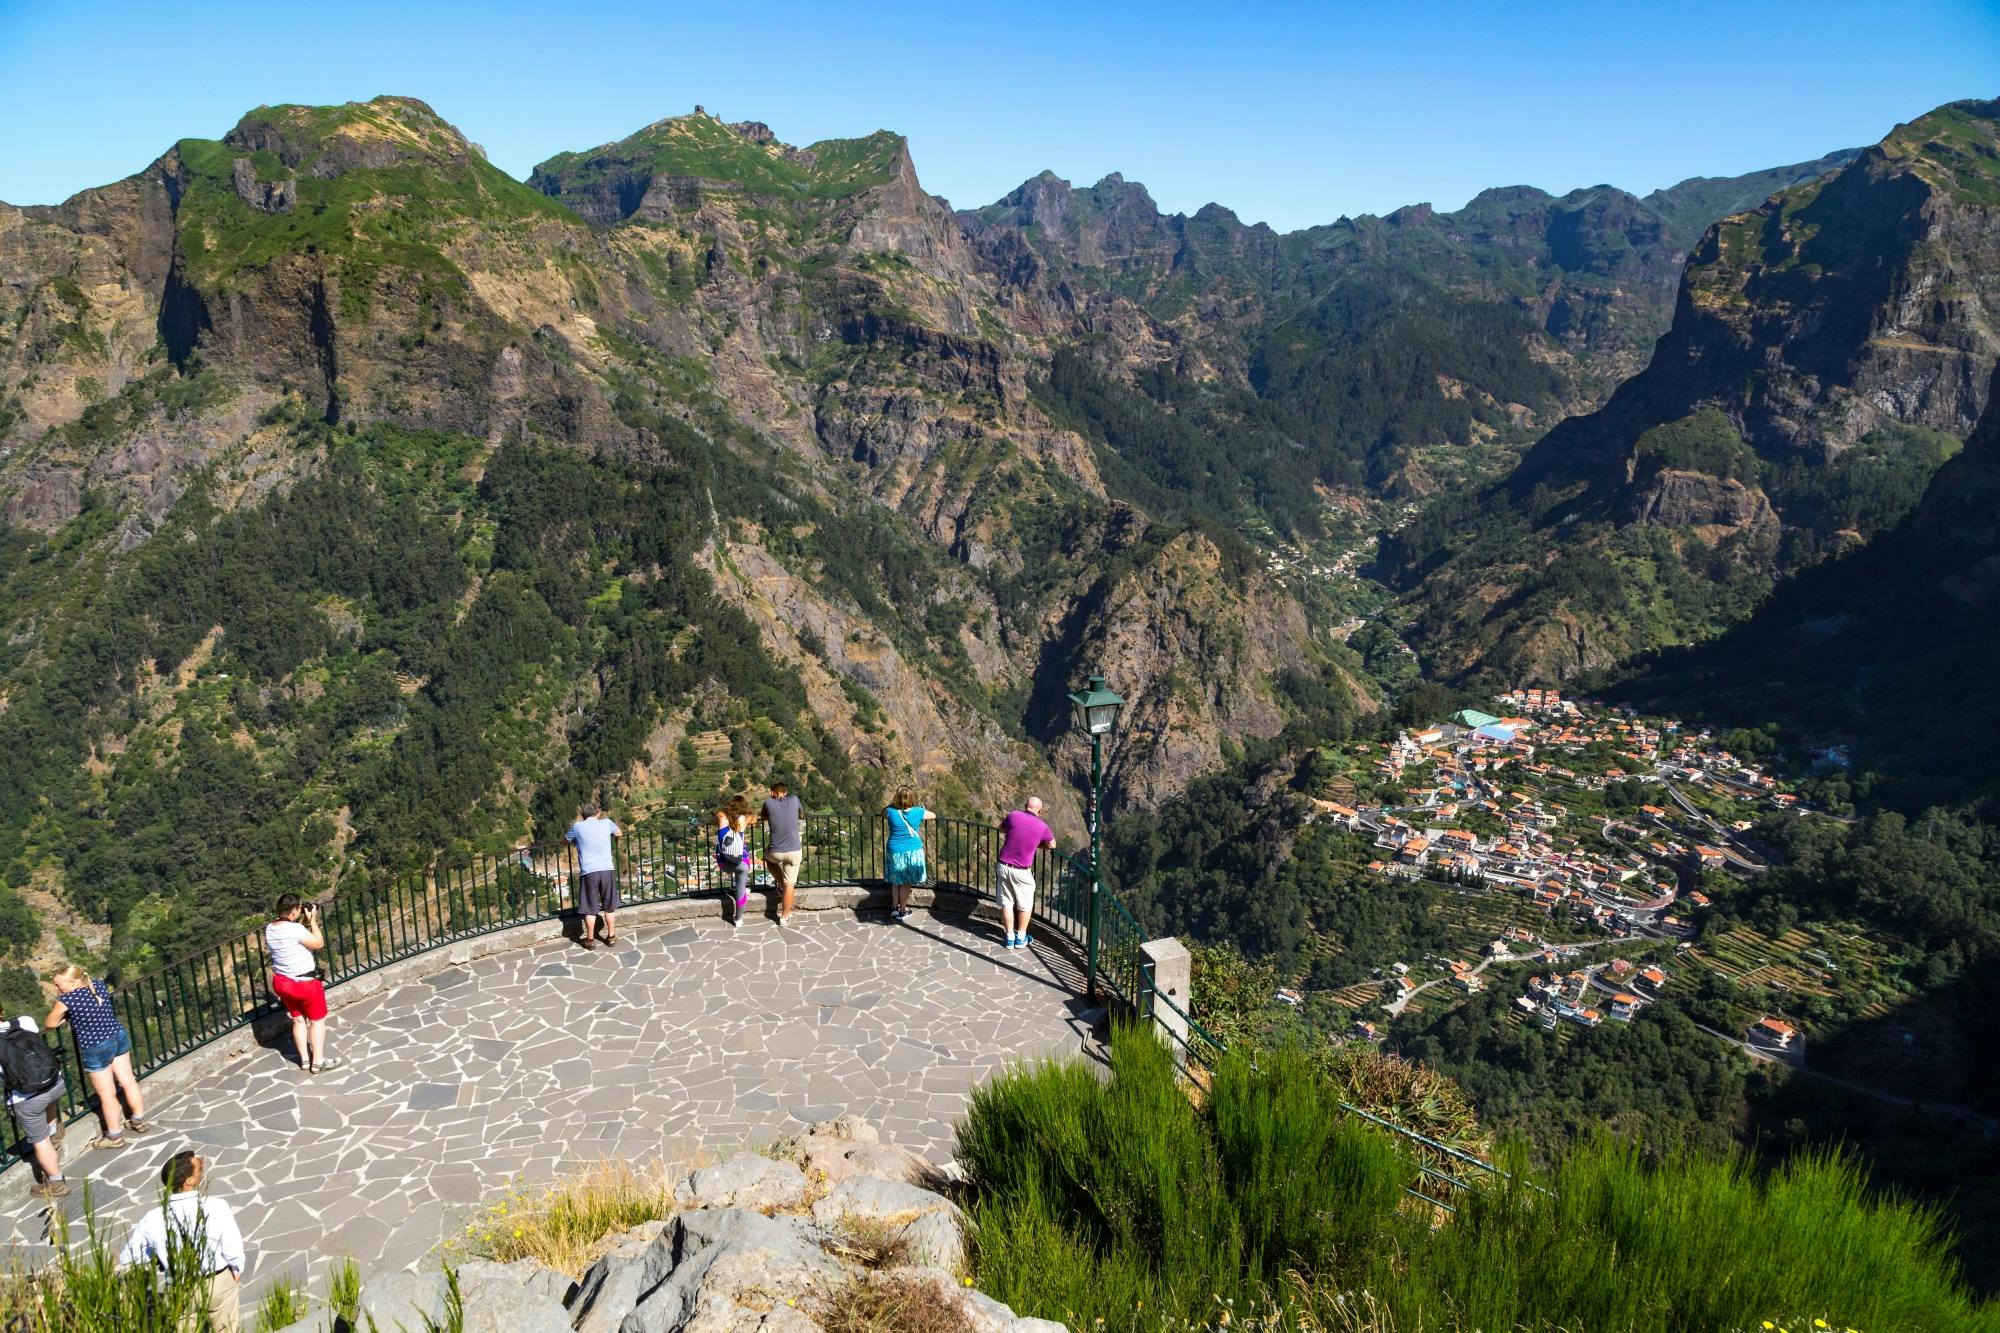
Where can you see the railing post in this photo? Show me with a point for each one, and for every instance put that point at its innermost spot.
(1166, 968)
(1090, 947)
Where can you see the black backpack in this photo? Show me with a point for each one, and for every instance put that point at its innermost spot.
(27, 1063)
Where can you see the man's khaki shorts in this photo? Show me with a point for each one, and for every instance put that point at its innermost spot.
(784, 867)
(1015, 888)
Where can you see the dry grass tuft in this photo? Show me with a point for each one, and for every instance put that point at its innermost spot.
(870, 1243)
(566, 1225)
(891, 1306)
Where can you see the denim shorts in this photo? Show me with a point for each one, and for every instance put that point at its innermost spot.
(98, 1058)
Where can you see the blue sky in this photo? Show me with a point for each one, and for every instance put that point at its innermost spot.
(1290, 114)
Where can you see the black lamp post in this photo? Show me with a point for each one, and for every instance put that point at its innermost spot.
(1095, 710)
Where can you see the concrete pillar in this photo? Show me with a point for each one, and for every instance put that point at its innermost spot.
(1172, 970)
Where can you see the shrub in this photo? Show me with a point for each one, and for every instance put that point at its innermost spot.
(1124, 1205)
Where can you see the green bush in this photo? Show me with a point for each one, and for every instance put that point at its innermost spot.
(1124, 1204)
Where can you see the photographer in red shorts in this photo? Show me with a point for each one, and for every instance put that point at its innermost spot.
(293, 939)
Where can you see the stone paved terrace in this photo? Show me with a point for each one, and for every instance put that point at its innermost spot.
(689, 1039)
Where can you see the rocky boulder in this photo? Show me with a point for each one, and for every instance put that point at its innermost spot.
(761, 1244)
(746, 1180)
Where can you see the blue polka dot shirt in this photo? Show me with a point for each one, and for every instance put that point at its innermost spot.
(91, 1015)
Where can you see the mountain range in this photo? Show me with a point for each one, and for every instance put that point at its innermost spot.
(364, 504)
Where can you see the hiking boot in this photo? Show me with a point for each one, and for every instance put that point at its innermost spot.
(50, 1189)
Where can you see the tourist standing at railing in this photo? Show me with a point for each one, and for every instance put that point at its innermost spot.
(105, 1048)
(191, 1221)
(785, 850)
(1023, 833)
(905, 857)
(732, 852)
(35, 1089)
(293, 938)
(597, 870)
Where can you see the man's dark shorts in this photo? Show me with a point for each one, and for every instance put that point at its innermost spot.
(598, 893)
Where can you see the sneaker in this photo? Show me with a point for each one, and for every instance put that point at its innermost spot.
(1010, 940)
(51, 1189)
(108, 1142)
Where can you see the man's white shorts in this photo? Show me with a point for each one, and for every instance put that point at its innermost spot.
(1016, 888)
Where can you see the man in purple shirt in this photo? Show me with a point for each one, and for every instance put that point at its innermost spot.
(1022, 834)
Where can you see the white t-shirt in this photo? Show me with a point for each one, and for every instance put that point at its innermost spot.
(289, 957)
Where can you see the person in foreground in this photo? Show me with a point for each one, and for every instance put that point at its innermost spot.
(34, 1088)
(906, 850)
(106, 1048)
(189, 1217)
(1022, 834)
(785, 850)
(293, 938)
(597, 867)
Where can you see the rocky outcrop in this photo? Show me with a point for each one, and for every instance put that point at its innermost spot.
(726, 1263)
(279, 196)
(1714, 506)
(758, 1242)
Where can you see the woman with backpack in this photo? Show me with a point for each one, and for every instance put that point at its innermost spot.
(106, 1050)
(732, 852)
(906, 850)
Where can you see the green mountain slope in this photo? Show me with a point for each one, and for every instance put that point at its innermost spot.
(1828, 351)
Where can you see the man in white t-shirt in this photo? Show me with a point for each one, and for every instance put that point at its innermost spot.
(597, 874)
(190, 1217)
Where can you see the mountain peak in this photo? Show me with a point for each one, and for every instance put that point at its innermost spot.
(702, 152)
(1955, 148)
(330, 140)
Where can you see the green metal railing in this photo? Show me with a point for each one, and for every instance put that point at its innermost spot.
(175, 1011)
(180, 1008)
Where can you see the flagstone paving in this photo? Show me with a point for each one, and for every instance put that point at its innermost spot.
(685, 1040)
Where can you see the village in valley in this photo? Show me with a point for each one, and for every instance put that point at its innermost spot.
(1583, 847)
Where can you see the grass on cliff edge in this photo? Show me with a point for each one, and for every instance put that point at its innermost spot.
(1121, 1205)
(566, 1225)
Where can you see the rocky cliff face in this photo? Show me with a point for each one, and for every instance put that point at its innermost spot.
(1855, 308)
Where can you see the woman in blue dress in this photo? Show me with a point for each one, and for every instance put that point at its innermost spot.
(906, 850)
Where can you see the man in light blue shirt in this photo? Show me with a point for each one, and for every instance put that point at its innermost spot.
(597, 866)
